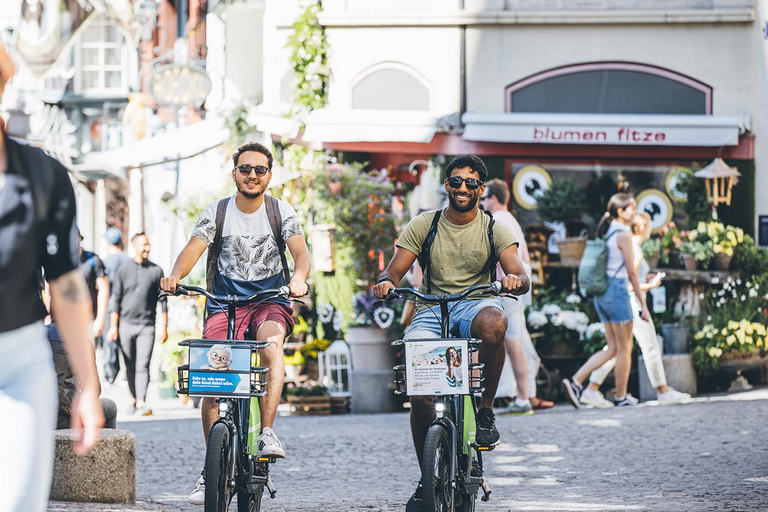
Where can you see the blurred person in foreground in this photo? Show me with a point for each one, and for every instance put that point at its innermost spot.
(37, 229)
(517, 342)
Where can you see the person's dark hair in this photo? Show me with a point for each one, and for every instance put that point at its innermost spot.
(498, 188)
(470, 161)
(252, 146)
(448, 355)
(620, 201)
(137, 235)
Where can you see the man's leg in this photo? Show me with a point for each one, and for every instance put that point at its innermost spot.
(272, 358)
(128, 348)
(145, 343)
(489, 325)
(422, 416)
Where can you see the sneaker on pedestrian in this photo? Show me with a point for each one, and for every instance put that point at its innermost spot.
(416, 503)
(131, 409)
(672, 396)
(487, 433)
(269, 444)
(198, 494)
(539, 404)
(573, 392)
(517, 408)
(595, 399)
(144, 411)
(627, 401)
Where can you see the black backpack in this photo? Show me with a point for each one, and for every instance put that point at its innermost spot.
(425, 255)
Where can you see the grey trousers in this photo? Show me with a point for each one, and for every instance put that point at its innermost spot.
(136, 344)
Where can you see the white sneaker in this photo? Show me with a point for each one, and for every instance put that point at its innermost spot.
(595, 399)
(673, 396)
(269, 444)
(198, 495)
(627, 401)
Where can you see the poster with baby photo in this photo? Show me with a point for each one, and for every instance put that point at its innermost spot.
(221, 358)
(437, 367)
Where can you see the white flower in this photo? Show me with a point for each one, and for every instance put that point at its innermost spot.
(338, 321)
(743, 298)
(573, 299)
(709, 318)
(752, 292)
(595, 328)
(701, 296)
(749, 284)
(716, 280)
(738, 282)
(551, 309)
(537, 319)
(324, 313)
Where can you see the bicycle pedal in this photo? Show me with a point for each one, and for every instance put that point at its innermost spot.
(486, 490)
(482, 448)
(271, 460)
(271, 488)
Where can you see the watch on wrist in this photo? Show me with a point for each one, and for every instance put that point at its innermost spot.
(385, 278)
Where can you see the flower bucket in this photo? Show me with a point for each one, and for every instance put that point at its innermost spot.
(721, 261)
(690, 262)
(571, 249)
(675, 337)
(653, 261)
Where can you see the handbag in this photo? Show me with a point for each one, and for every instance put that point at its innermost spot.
(111, 360)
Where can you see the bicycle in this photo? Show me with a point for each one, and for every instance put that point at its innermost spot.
(232, 466)
(452, 465)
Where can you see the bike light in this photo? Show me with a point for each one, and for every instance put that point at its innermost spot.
(440, 407)
(223, 407)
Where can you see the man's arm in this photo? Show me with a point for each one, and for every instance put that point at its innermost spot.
(302, 264)
(401, 262)
(71, 305)
(115, 301)
(102, 300)
(184, 264)
(516, 280)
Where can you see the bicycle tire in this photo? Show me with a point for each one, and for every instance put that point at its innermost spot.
(435, 476)
(247, 502)
(218, 469)
(467, 503)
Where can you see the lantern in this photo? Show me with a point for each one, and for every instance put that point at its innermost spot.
(719, 180)
(334, 368)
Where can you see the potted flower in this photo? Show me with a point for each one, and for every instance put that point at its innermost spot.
(670, 245)
(564, 202)
(309, 398)
(695, 251)
(724, 240)
(651, 251)
(562, 320)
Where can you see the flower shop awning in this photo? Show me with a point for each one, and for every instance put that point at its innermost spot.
(336, 125)
(274, 120)
(605, 129)
(180, 144)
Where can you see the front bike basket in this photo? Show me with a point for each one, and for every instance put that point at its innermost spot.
(222, 368)
(439, 366)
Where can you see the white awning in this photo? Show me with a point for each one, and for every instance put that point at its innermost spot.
(180, 144)
(335, 125)
(613, 129)
(272, 119)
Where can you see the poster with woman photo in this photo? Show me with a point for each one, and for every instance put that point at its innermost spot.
(437, 367)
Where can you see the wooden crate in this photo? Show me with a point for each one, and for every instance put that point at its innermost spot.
(340, 405)
(310, 405)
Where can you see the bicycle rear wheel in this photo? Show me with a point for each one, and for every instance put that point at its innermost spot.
(218, 469)
(435, 475)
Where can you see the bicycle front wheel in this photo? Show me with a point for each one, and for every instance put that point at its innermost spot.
(436, 470)
(247, 502)
(218, 469)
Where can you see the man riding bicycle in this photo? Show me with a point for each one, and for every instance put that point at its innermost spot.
(458, 247)
(246, 236)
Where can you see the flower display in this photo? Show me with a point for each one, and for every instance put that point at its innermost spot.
(562, 317)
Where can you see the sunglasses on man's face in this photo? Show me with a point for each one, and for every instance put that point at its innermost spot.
(456, 181)
(246, 169)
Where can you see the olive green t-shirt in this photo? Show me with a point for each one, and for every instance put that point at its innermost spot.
(459, 253)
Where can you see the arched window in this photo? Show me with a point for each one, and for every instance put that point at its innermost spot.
(390, 89)
(610, 88)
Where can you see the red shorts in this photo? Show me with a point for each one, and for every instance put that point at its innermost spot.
(215, 326)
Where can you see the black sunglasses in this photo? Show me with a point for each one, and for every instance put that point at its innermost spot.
(246, 169)
(456, 181)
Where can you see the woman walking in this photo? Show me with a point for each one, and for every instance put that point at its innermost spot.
(644, 332)
(614, 307)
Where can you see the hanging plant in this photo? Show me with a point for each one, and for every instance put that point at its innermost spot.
(309, 58)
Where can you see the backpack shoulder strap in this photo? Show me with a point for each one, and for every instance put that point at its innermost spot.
(426, 248)
(215, 249)
(493, 258)
(276, 223)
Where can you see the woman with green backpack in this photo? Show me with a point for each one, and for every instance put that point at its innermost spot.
(613, 306)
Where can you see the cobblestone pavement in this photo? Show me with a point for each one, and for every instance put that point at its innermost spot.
(707, 455)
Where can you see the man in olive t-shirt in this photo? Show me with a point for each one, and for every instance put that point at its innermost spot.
(458, 259)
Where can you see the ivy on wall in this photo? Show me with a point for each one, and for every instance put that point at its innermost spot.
(309, 58)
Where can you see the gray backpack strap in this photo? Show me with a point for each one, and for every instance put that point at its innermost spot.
(215, 249)
(276, 223)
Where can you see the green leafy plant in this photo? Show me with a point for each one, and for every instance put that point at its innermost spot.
(701, 251)
(696, 205)
(308, 48)
(750, 259)
(563, 201)
(651, 248)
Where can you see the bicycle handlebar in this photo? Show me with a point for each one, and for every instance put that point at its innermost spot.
(283, 293)
(493, 288)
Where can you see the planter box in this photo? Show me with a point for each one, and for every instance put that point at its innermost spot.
(310, 405)
(340, 405)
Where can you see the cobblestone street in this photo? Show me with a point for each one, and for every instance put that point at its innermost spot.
(705, 455)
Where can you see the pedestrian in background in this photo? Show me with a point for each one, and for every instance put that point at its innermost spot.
(112, 262)
(133, 307)
(95, 275)
(614, 307)
(37, 229)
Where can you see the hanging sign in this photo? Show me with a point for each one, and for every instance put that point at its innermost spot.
(178, 85)
(655, 203)
(529, 183)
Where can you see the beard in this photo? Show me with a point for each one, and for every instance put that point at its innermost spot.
(246, 193)
(471, 204)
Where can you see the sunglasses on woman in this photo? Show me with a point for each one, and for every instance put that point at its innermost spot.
(456, 181)
(246, 169)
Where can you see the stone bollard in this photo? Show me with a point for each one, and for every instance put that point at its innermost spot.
(106, 475)
(679, 371)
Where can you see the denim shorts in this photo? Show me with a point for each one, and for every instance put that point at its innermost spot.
(614, 305)
(426, 323)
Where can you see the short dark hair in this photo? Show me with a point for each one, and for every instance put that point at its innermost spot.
(498, 188)
(471, 161)
(137, 235)
(252, 146)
